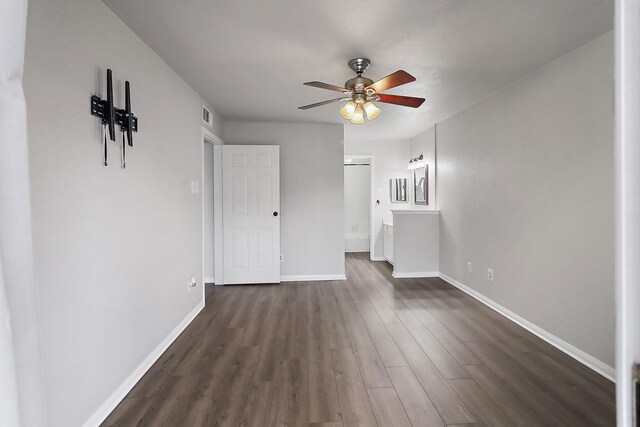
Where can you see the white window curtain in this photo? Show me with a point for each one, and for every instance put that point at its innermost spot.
(20, 375)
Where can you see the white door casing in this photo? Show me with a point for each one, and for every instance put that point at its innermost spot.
(251, 213)
(627, 80)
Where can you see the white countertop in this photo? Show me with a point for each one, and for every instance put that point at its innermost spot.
(415, 212)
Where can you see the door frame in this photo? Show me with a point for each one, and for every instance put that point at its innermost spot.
(372, 196)
(209, 137)
(627, 192)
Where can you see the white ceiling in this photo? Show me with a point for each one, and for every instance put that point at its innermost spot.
(249, 58)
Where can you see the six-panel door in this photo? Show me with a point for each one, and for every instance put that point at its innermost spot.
(251, 213)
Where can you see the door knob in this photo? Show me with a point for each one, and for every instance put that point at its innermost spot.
(275, 214)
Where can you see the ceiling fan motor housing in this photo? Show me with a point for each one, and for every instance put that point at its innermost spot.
(358, 84)
(359, 65)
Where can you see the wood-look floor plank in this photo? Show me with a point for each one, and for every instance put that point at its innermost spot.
(296, 336)
(503, 365)
(245, 306)
(387, 407)
(323, 393)
(369, 361)
(441, 358)
(485, 410)
(505, 397)
(258, 409)
(354, 400)
(370, 287)
(387, 348)
(453, 345)
(492, 329)
(130, 411)
(343, 296)
(225, 401)
(448, 404)
(596, 389)
(256, 325)
(334, 322)
(415, 401)
(273, 347)
(576, 398)
(292, 393)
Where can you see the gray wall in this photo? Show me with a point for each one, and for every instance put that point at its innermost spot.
(525, 187)
(390, 160)
(425, 143)
(312, 188)
(114, 248)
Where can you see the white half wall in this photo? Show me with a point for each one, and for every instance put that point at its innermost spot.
(415, 243)
(357, 199)
(311, 192)
(525, 187)
(390, 161)
(114, 249)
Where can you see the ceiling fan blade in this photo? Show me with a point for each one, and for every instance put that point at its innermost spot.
(405, 101)
(317, 104)
(327, 86)
(398, 78)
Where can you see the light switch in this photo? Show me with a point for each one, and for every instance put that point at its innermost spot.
(195, 187)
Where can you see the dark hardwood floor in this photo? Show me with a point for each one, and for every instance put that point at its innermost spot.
(370, 351)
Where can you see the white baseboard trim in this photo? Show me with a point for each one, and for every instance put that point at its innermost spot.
(415, 274)
(209, 280)
(589, 361)
(356, 251)
(378, 258)
(116, 397)
(313, 278)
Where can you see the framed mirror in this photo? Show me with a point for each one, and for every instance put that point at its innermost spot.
(421, 185)
(398, 190)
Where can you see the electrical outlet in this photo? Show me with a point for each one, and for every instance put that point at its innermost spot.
(469, 267)
(281, 257)
(195, 187)
(191, 283)
(490, 274)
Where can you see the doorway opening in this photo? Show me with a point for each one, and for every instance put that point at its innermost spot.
(358, 203)
(211, 208)
(207, 202)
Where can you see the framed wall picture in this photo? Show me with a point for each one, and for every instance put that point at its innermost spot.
(398, 190)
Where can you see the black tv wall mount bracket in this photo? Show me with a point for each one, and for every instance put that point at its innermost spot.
(111, 116)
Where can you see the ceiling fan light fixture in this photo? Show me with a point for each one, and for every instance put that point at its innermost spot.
(361, 91)
(372, 110)
(358, 116)
(347, 111)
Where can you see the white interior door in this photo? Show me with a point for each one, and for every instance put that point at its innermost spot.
(251, 213)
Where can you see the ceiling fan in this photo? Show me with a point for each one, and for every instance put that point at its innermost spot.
(362, 92)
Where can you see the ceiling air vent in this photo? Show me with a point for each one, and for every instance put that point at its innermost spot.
(206, 115)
